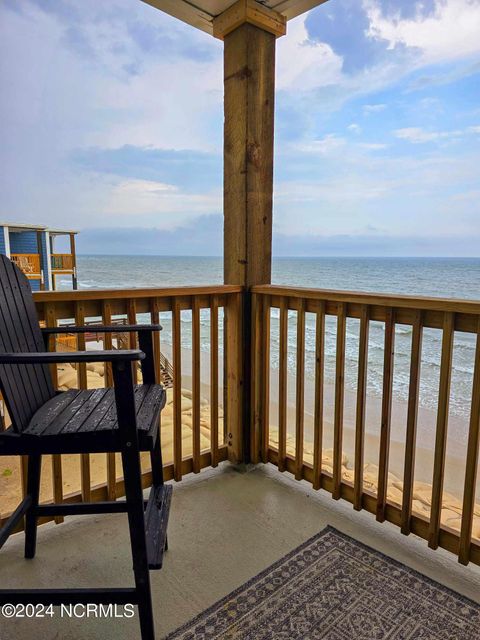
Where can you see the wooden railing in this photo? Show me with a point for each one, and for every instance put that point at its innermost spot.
(287, 448)
(62, 262)
(29, 263)
(199, 424)
(204, 425)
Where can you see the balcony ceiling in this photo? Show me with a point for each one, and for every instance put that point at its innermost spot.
(200, 13)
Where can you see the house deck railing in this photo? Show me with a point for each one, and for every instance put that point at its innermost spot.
(203, 337)
(62, 262)
(29, 263)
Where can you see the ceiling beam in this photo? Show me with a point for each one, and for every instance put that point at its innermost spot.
(293, 9)
(191, 12)
(186, 11)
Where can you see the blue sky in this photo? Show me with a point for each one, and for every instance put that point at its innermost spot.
(111, 122)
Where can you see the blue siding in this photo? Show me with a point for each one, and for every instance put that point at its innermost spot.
(2, 241)
(45, 259)
(26, 242)
(23, 242)
(35, 284)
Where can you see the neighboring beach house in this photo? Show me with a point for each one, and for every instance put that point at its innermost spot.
(32, 248)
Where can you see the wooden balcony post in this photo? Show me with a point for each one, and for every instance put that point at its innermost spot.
(40, 255)
(249, 31)
(74, 261)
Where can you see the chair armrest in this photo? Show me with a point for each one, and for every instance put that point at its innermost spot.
(145, 341)
(116, 356)
(117, 328)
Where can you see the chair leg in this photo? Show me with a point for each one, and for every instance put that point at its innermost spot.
(136, 521)
(157, 469)
(33, 489)
(156, 463)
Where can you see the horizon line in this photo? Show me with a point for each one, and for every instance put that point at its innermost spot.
(309, 257)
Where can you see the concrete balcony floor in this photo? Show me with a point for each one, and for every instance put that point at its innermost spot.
(226, 526)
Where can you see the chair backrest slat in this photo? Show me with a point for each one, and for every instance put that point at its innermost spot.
(25, 388)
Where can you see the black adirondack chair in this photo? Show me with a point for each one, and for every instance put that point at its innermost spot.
(123, 419)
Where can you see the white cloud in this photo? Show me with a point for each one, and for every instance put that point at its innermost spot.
(373, 146)
(429, 103)
(303, 64)
(145, 187)
(337, 147)
(373, 108)
(417, 135)
(452, 31)
(355, 185)
(327, 145)
(90, 100)
(355, 128)
(306, 65)
(472, 196)
(149, 202)
(57, 101)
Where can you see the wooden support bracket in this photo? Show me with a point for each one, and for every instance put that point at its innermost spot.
(253, 13)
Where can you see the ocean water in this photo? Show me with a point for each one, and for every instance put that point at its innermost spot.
(441, 277)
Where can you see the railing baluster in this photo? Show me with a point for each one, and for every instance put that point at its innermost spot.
(51, 321)
(256, 434)
(177, 391)
(412, 413)
(233, 380)
(82, 384)
(472, 463)
(441, 432)
(132, 337)
(361, 407)
(282, 385)
(339, 400)
(318, 402)
(107, 340)
(24, 474)
(300, 391)
(260, 379)
(108, 344)
(155, 319)
(214, 379)
(385, 427)
(265, 378)
(196, 384)
(57, 479)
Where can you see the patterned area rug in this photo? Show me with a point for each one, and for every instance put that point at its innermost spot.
(335, 588)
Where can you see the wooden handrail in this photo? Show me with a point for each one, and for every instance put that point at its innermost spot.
(379, 304)
(148, 292)
(456, 305)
